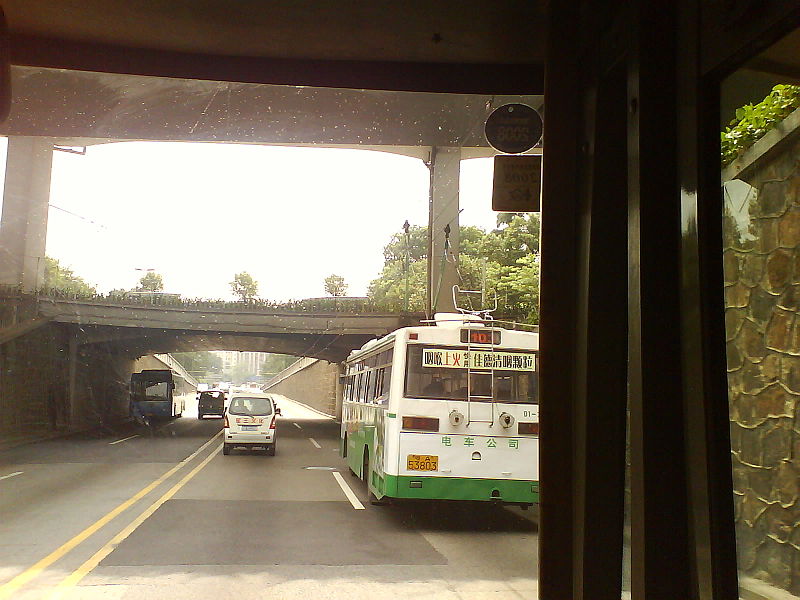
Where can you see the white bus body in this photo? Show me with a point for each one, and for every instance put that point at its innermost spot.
(417, 422)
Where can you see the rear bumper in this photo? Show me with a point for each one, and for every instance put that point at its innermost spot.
(458, 488)
(248, 439)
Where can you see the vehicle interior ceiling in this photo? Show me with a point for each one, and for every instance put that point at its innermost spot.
(497, 45)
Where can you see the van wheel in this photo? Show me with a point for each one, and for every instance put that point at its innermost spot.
(226, 449)
(271, 449)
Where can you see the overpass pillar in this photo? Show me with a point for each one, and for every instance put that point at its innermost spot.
(445, 164)
(23, 226)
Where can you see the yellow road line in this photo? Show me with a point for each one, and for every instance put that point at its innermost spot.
(87, 567)
(7, 589)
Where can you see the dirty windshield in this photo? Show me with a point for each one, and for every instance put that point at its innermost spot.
(243, 239)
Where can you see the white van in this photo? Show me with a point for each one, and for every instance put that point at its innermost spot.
(250, 421)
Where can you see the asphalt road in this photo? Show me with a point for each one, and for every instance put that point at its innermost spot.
(161, 513)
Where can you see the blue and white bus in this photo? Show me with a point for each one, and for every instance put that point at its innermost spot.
(449, 411)
(153, 394)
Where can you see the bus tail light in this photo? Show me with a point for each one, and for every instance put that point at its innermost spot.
(421, 423)
(528, 428)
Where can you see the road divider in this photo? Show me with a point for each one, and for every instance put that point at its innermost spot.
(347, 491)
(88, 566)
(8, 589)
(313, 441)
(296, 425)
(10, 475)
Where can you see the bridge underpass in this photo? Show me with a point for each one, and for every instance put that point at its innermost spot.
(77, 347)
(67, 363)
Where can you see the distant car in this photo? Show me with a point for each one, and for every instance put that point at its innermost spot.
(250, 422)
(211, 402)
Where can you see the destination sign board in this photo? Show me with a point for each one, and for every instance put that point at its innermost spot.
(478, 359)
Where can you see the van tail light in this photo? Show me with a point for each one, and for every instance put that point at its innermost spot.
(225, 424)
(528, 428)
(272, 425)
(421, 423)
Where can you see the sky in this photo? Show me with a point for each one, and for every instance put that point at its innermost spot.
(200, 213)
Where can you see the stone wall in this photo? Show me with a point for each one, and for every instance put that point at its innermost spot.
(312, 382)
(33, 381)
(35, 390)
(762, 318)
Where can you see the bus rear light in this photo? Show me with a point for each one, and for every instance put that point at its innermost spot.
(413, 336)
(421, 423)
(528, 428)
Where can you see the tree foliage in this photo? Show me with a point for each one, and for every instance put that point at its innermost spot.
(753, 121)
(275, 363)
(335, 285)
(503, 261)
(151, 282)
(244, 286)
(63, 279)
(200, 364)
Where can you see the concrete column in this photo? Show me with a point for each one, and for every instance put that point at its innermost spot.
(23, 227)
(444, 166)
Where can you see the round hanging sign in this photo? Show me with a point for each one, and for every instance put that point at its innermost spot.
(513, 128)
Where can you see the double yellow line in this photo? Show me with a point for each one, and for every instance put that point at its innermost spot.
(7, 589)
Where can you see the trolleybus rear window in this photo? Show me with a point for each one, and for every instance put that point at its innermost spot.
(442, 373)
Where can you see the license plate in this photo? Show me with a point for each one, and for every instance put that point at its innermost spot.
(249, 427)
(422, 462)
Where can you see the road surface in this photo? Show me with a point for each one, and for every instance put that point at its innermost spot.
(137, 513)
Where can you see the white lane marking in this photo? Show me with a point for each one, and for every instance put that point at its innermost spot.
(296, 425)
(123, 439)
(347, 491)
(10, 475)
(313, 441)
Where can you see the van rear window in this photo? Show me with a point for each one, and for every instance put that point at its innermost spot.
(250, 406)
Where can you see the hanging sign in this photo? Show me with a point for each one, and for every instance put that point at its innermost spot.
(517, 183)
(513, 128)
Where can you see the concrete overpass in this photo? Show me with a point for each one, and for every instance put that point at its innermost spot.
(140, 330)
(136, 329)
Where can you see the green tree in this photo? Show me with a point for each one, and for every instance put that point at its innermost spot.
(244, 286)
(275, 363)
(503, 262)
(202, 365)
(335, 285)
(61, 278)
(151, 282)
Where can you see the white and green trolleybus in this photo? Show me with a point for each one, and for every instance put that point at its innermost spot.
(448, 411)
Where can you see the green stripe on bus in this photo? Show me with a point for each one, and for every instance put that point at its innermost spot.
(461, 488)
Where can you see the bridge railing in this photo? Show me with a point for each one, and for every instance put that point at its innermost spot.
(347, 304)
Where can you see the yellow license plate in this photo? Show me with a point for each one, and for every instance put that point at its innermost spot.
(422, 462)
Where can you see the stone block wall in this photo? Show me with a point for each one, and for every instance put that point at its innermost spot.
(762, 320)
(312, 382)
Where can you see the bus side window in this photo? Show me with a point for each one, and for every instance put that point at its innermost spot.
(379, 382)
